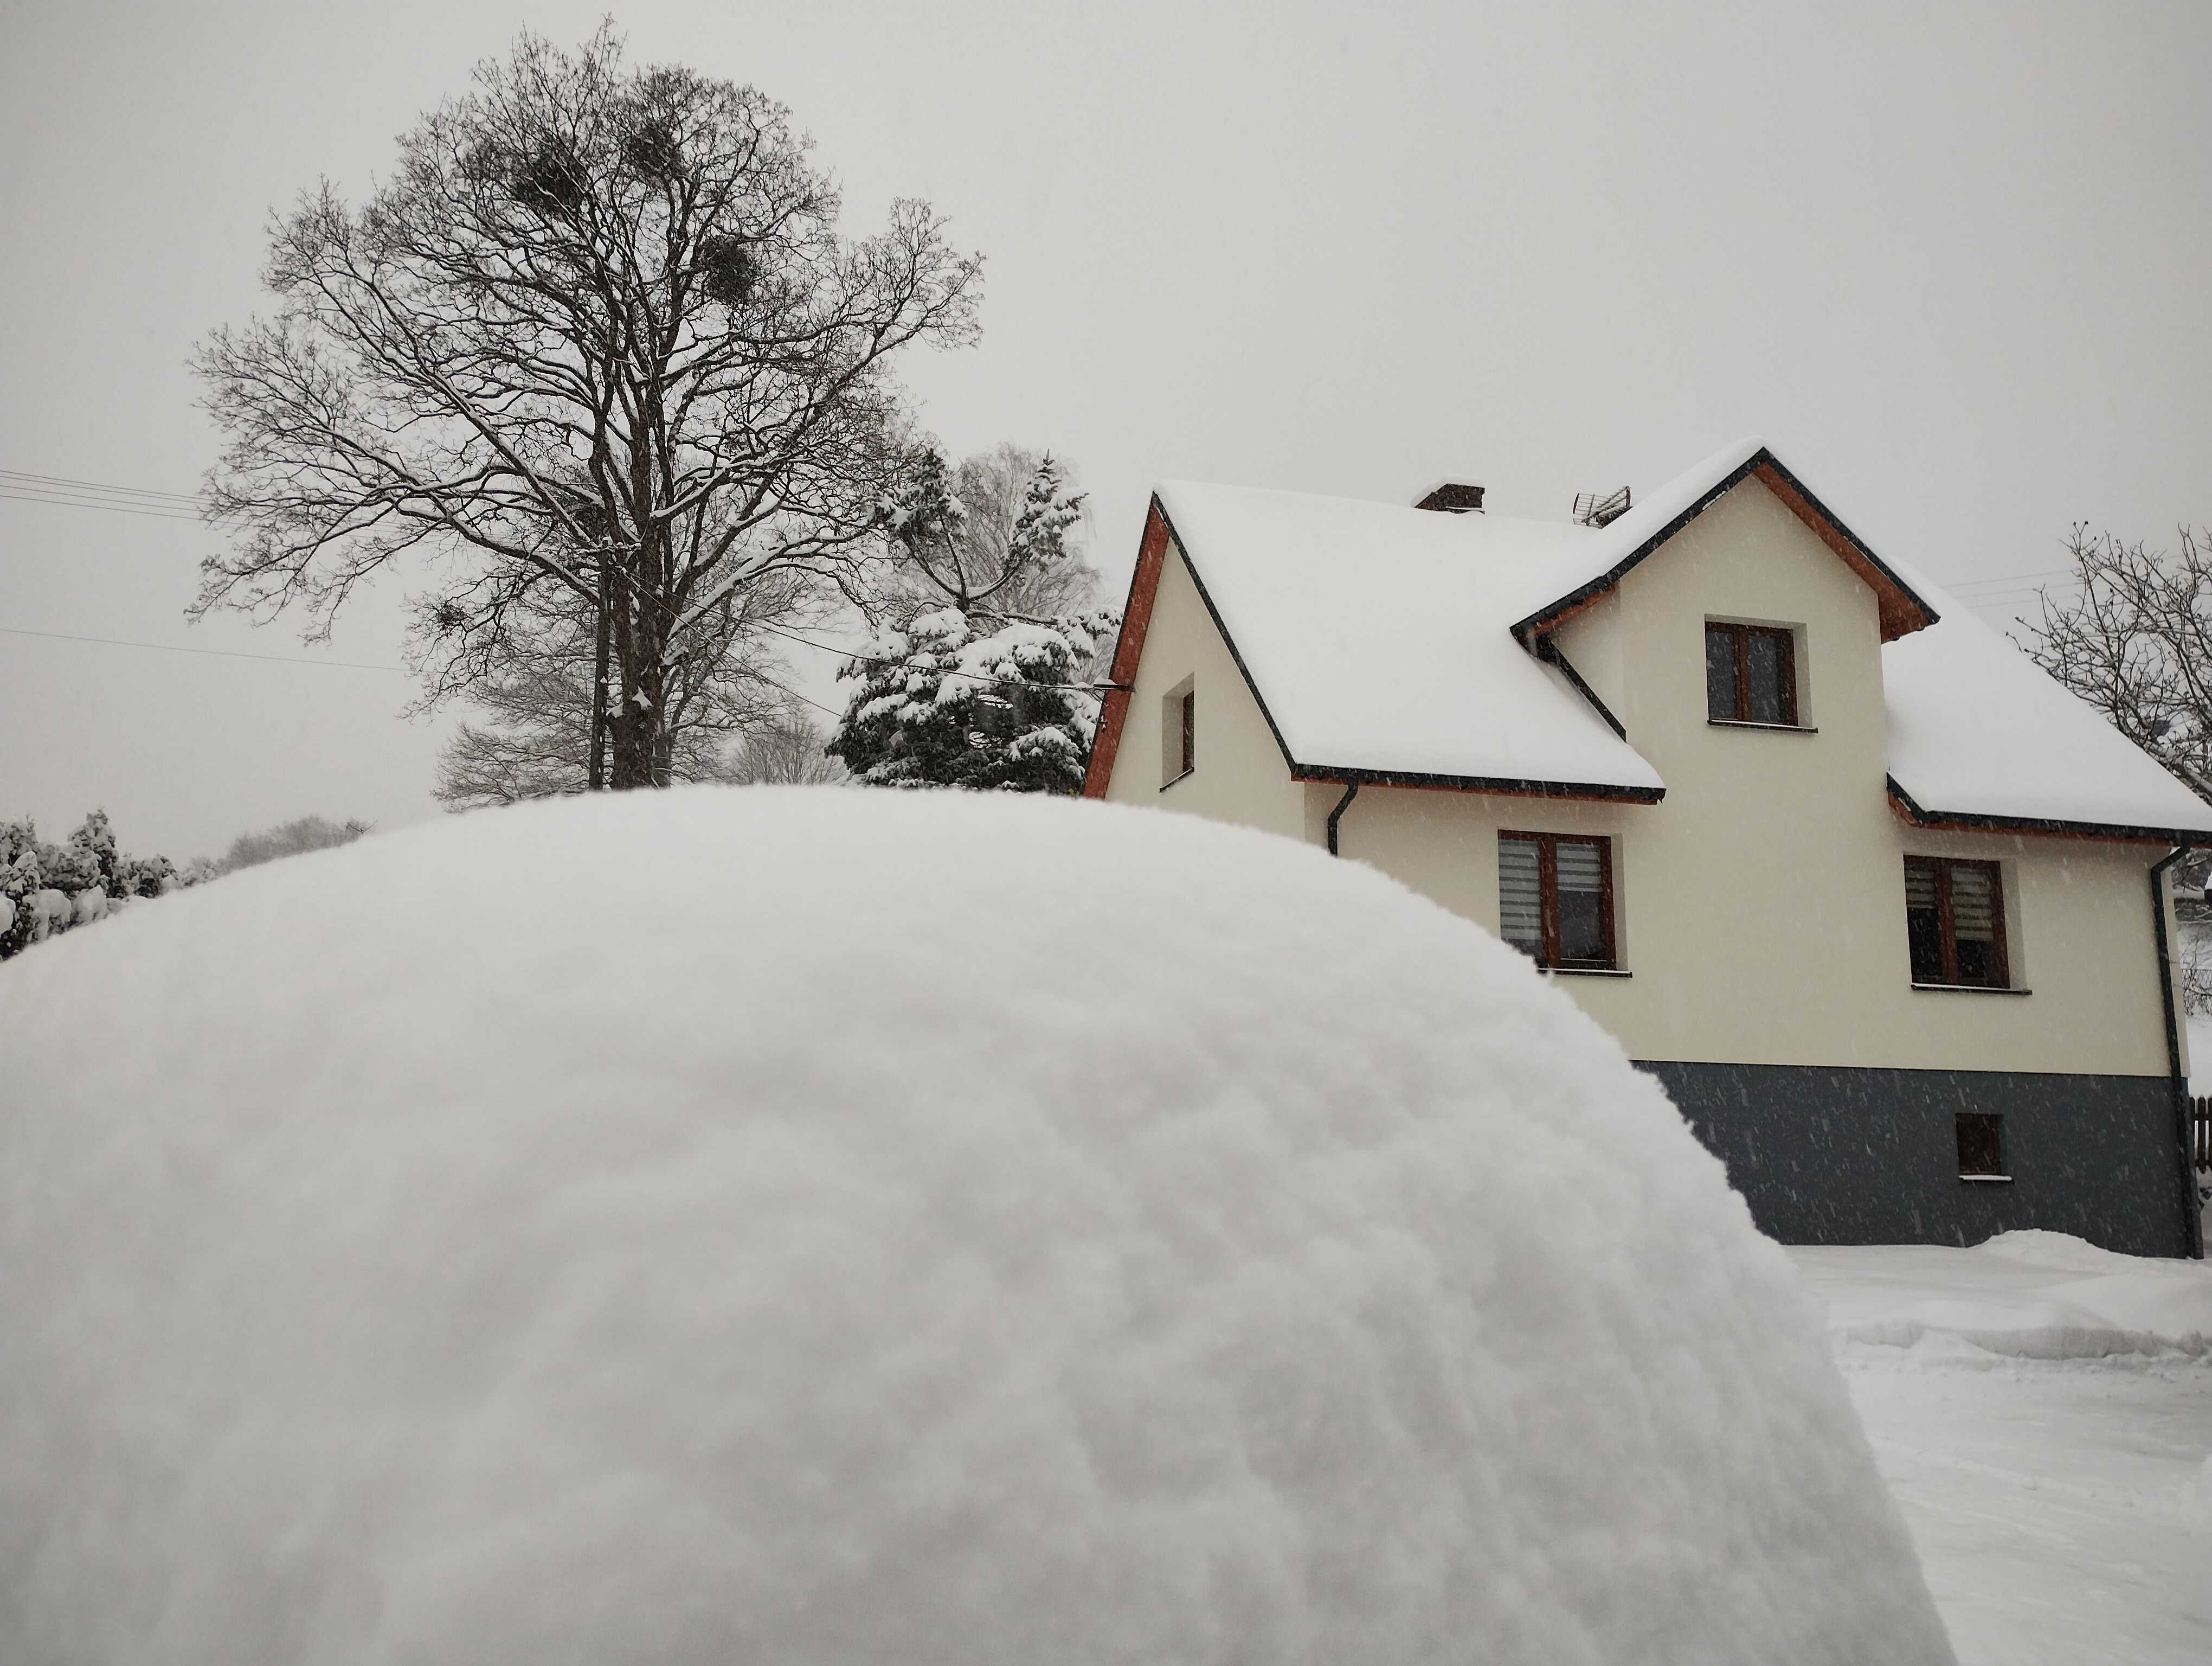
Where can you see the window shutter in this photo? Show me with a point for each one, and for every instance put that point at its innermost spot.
(1520, 895)
(1583, 927)
(1919, 886)
(1974, 916)
(1720, 673)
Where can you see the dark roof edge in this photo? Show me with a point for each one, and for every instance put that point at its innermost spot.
(1548, 651)
(1516, 786)
(1190, 566)
(1856, 543)
(1973, 821)
(1553, 611)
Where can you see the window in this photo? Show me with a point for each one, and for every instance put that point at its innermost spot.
(1954, 921)
(1555, 898)
(1981, 1146)
(1178, 734)
(1750, 675)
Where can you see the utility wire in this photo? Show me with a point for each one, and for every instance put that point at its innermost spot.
(1093, 689)
(95, 486)
(217, 653)
(87, 503)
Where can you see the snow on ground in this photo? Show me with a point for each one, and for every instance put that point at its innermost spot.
(2042, 1410)
(770, 1226)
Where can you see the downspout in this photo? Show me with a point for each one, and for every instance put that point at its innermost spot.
(1351, 791)
(2192, 1223)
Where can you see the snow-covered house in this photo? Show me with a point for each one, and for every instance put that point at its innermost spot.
(1880, 903)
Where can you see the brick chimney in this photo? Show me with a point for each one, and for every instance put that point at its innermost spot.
(1453, 497)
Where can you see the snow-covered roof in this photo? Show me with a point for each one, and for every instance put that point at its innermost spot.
(1979, 732)
(1394, 643)
(1378, 636)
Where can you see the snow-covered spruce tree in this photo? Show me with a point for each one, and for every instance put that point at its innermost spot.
(597, 343)
(982, 681)
(49, 888)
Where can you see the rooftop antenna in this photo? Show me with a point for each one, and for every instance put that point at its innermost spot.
(1596, 509)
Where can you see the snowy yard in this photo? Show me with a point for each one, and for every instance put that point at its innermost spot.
(2056, 1469)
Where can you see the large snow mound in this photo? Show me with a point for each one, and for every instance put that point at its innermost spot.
(2029, 1295)
(764, 1225)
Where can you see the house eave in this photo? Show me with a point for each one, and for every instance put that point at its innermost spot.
(1968, 821)
(1496, 786)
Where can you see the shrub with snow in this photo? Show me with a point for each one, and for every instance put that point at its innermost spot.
(823, 1246)
(48, 888)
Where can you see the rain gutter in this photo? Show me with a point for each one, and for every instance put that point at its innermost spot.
(2192, 1223)
(1351, 791)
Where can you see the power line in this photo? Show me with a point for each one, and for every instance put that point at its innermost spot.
(217, 653)
(1093, 689)
(87, 503)
(803, 700)
(101, 487)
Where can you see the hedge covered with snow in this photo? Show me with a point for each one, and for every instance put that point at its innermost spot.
(872, 1228)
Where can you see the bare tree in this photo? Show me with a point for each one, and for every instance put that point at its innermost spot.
(293, 838)
(599, 346)
(785, 750)
(532, 736)
(2136, 641)
(993, 535)
(2134, 638)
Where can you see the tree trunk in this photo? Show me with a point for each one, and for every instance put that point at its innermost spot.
(637, 729)
(595, 773)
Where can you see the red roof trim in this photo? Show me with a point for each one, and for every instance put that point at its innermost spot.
(1128, 649)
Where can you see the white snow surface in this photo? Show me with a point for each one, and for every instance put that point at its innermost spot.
(2030, 1294)
(1381, 638)
(1378, 636)
(869, 1228)
(2060, 1498)
(1975, 727)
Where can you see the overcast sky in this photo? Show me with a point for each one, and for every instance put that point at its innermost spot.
(1950, 262)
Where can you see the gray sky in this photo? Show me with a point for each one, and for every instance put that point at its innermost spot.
(1951, 263)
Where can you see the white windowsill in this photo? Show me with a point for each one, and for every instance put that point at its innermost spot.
(1989, 1179)
(1969, 989)
(1584, 971)
(1185, 776)
(1772, 728)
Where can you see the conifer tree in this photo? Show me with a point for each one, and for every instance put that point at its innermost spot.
(983, 682)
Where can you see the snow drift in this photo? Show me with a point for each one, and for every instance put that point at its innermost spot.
(771, 1225)
(2026, 1294)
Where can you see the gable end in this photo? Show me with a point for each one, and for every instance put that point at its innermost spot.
(1902, 611)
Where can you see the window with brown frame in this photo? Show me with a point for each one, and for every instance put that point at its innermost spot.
(1955, 922)
(1178, 734)
(1555, 899)
(1981, 1145)
(1750, 675)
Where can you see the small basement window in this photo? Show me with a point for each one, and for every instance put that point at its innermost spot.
(1981, 1146)
(1955, 922)
(1178, 734)
(1751, 674)
(1555, 899)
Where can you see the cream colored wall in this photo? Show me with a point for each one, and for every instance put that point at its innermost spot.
(1762, 900)
(1761, 906)
(1241, 776)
